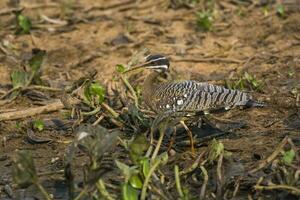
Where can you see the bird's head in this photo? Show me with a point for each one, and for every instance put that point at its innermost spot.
(156, 62)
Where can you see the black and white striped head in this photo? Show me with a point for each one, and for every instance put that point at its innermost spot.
(157, 62)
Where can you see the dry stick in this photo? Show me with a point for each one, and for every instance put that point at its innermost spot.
(190, 136)
(236, 188)
(204, 184)
(111, 6)
(136, 103)
(214, 59)
(160, 139)
(102, 189)
(98, 120)
(147, 179)
(43, 191)
(177, 181)
(160, 193)
(31, 111)
(41, 87)
(293, 190)
(194, 165)
(219, 176)
(271, 157)
(110, 110)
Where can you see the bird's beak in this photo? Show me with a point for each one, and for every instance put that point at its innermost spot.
(144, 65)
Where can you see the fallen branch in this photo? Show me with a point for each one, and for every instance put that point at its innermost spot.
(214, 59)
(108, 7)
(219, 176)
(7, 11)
(267, 161)
(58, 105)
(204, 184)
(127, 84)
(292, 189)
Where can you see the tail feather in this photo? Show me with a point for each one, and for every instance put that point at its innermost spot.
(253, 103)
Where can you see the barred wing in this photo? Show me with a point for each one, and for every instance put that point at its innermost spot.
(194, 96)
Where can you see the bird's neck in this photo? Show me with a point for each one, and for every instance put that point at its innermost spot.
(150, 86)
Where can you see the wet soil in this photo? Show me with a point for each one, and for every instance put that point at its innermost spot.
(98, 35)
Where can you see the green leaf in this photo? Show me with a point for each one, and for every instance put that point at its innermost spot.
(288, 157)
(129, 193)
(120, 68)
(94, 93)
(127, 171)
(38, 124)
(280, 10)
(162, 158)
(19, 79)
(138, 146)
(136, 182)
(36, 61)
(216, 148)
(24, 172)
(145, 166)
(204, 20)
(23, 23)
(95, 141)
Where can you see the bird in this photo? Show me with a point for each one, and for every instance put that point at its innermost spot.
(188, 97)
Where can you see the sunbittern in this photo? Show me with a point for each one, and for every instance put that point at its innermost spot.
(186, 98)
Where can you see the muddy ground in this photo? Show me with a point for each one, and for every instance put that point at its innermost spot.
(81, 36)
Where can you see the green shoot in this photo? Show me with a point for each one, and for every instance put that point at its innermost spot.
(204, 20)
(216, 148)
(24, 172)
(94, 94)
(38, 125)
(23, 23)
(288, 157)
(280, 11)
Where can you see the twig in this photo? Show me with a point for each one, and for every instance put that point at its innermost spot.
(147, 179)
(268, 160)
(110, 110)
(107, 7)
(214, 59)
(236, 188)
(54, 21)
(93, 112)
(194, 165)
(98, 120)
(219, 176)
(204, 184)
(51, 173)
(41, 87)
(292, 189)
(9, 92)
(190, 136)
(177, 181)
(125, 81)
(34, 111)
(80, 195)
(160, 139)
(102, 189)
(43, 191)
(160, 193)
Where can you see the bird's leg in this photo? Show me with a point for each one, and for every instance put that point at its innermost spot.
(172, 139)
(190, 136)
